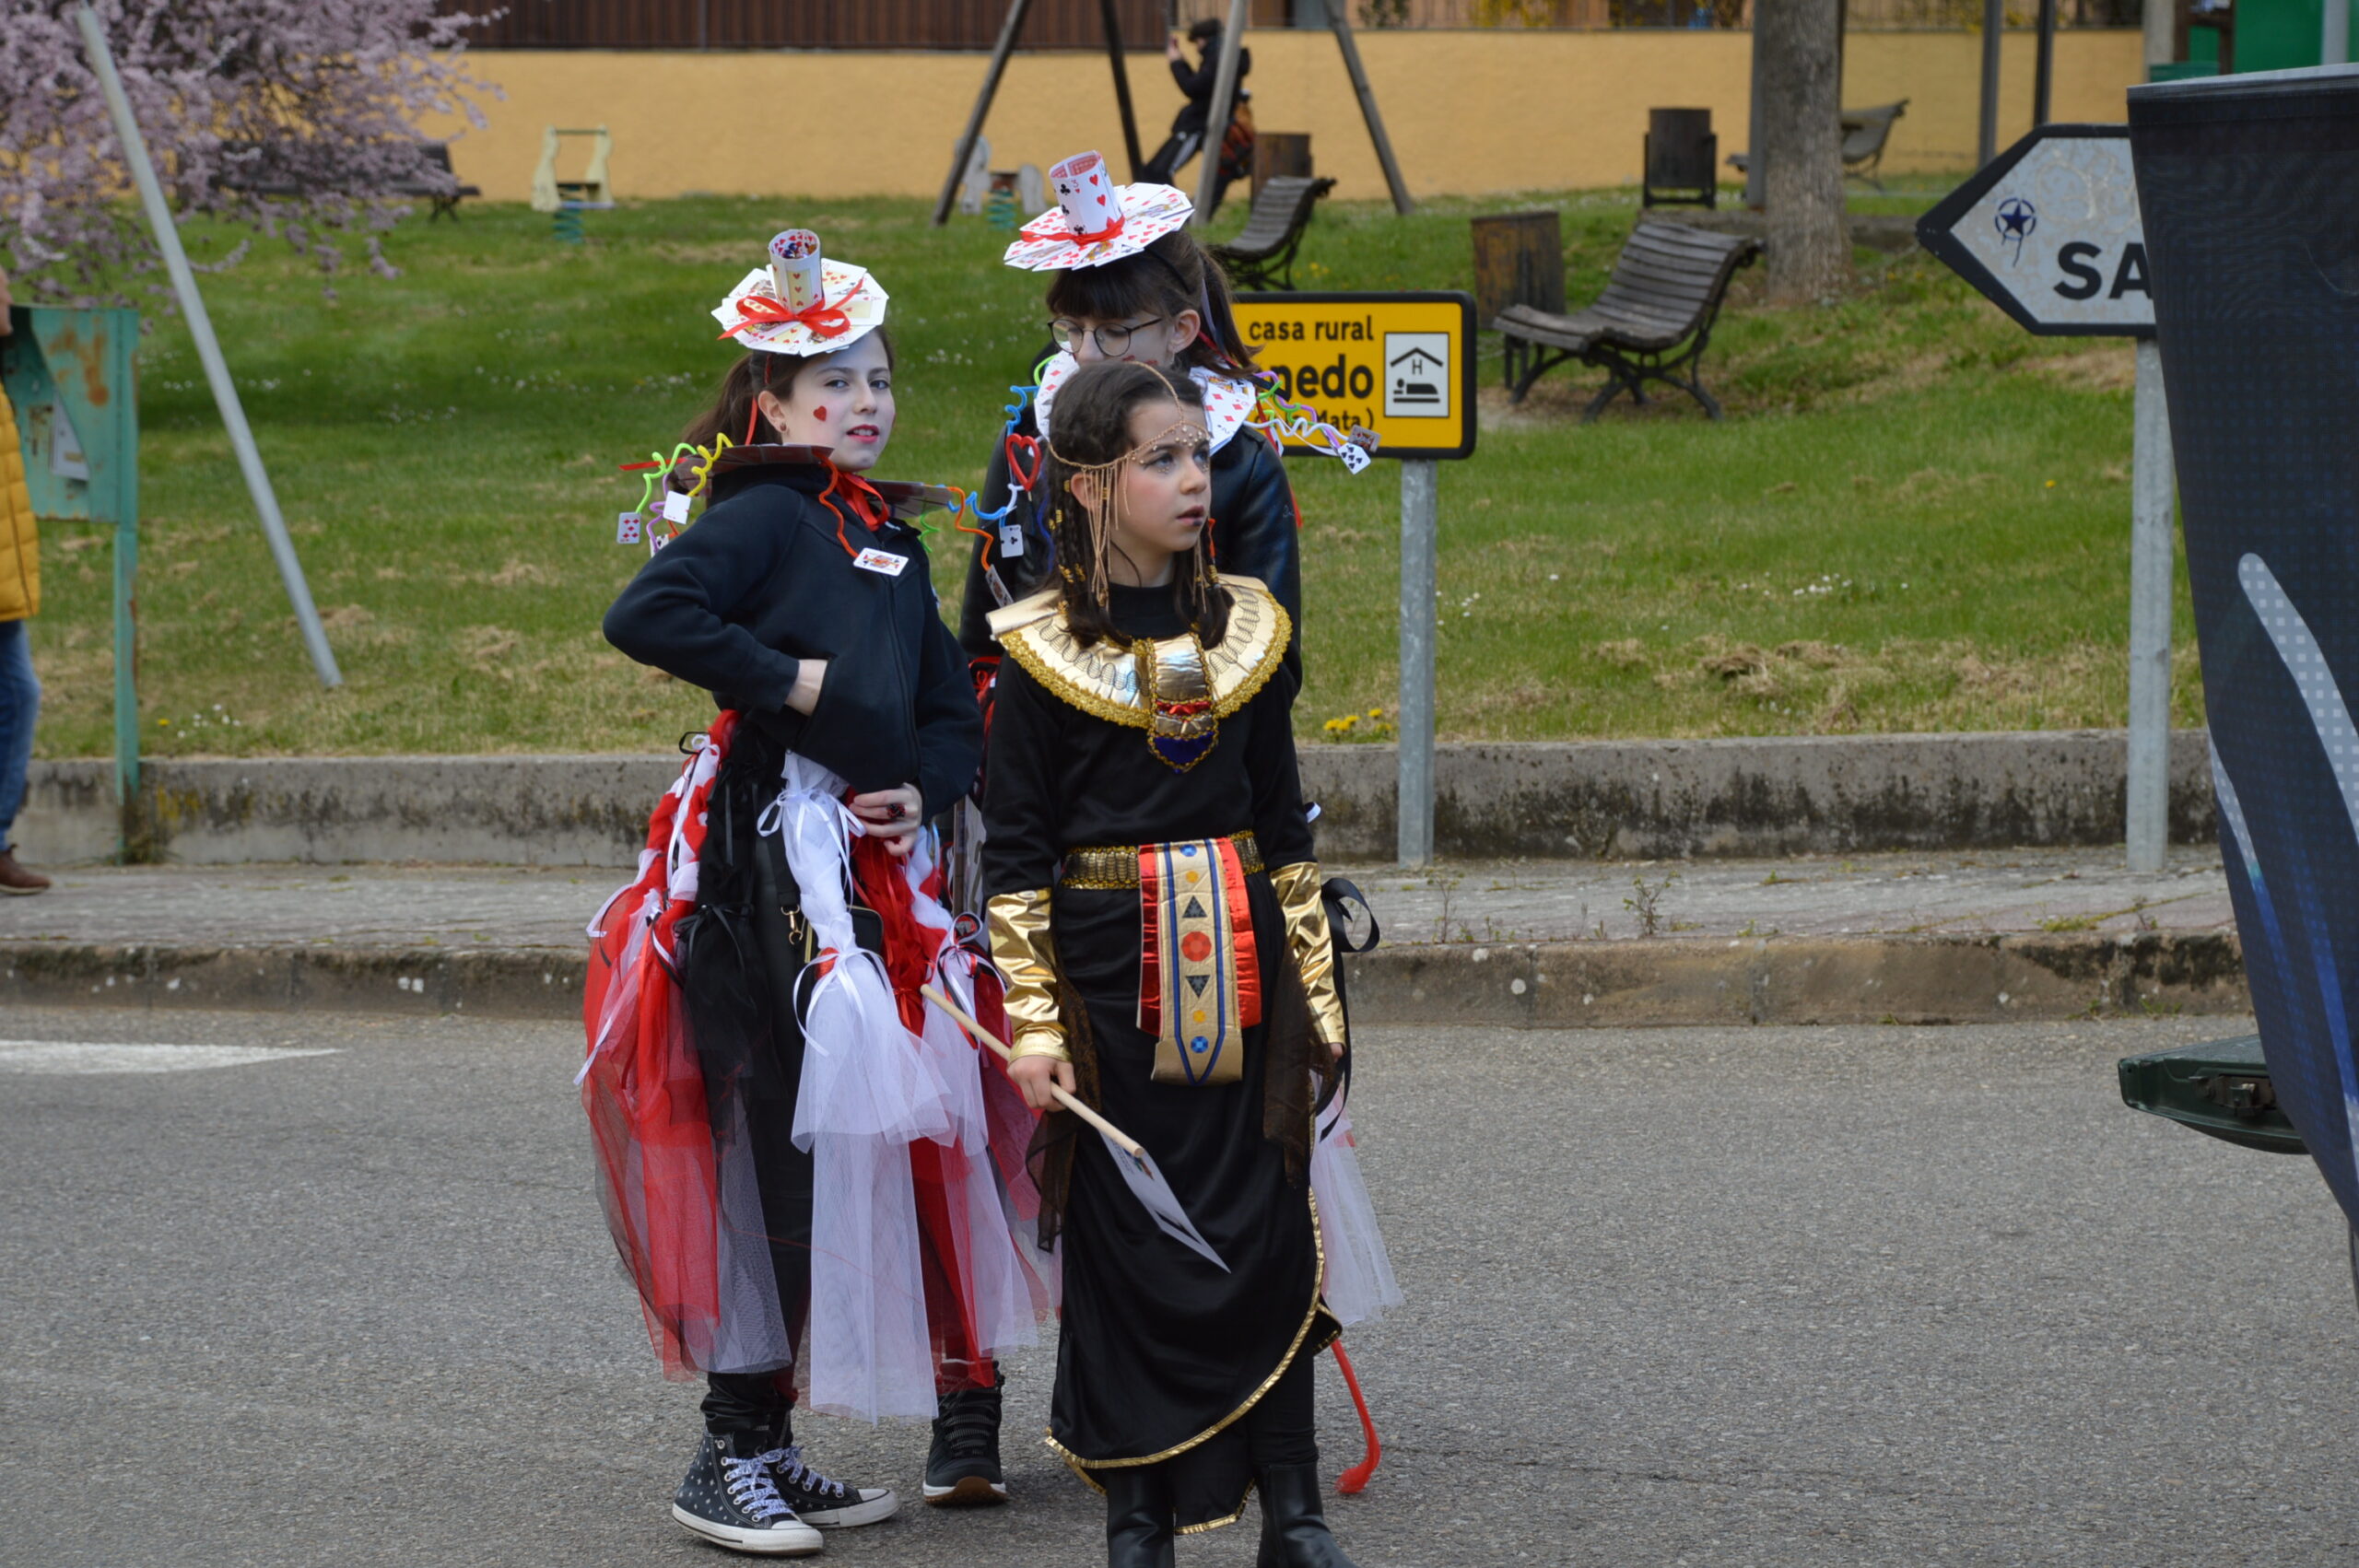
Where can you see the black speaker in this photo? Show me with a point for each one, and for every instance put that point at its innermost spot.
(2249, 187)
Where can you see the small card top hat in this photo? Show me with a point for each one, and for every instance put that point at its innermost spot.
(1095, 220)
(802, 303)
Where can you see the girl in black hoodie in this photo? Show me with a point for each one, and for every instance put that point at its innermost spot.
(801, 599)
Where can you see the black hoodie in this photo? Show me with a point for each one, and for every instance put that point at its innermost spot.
(764, 581)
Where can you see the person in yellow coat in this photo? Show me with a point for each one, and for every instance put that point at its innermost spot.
(19, 602)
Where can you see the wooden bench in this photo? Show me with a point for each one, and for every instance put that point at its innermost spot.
(1865, 131)
(258, 169)
(445, 193)
(1651, 324)
(1262, 256)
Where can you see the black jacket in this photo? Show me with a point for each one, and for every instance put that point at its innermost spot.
(1256, 533)
(1196, 84)
(761, 582)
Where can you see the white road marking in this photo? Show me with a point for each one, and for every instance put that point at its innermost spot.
(76, 1058)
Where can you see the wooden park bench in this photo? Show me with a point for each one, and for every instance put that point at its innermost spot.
(1865, 131)
(445, 196)
(257, 168)
(1262, 256)
(1651, 324)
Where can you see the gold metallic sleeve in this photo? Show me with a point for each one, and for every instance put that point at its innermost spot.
(1314, 950)
(1026, 957)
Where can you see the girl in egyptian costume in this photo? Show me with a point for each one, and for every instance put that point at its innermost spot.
(795, 1145)
(1155, 913)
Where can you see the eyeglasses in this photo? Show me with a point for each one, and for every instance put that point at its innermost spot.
(1112, 341)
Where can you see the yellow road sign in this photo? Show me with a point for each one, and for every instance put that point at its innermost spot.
(1401, 365)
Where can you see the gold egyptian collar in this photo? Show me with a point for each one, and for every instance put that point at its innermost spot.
(1117, 681)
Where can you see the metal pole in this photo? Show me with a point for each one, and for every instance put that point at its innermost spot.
(2334, 34)
(1224, 105)
(127, 649)
(1994, 24)
(2044, 75)
(2148, 809)
(123, 339)
(1112, 17)
(208, 347)
(1756, 187)
(1420, 527)
(1008, 32)
(1340, 24)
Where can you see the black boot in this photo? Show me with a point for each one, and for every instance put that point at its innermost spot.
(1138, 1516)
(1294, 1529)
(963, 1469)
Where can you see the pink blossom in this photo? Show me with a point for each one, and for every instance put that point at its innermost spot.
(295, 118)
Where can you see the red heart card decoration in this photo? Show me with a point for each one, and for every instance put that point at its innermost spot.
(1029, 450)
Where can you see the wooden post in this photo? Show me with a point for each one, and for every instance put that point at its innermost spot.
(1008, 32)
(1278, 154)
(1341, 26)
(1112, 17)
(1519, 260)
(1224, 106)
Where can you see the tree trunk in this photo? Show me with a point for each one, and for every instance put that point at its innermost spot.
(1809, 246)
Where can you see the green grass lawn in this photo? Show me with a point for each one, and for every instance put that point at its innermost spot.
(1916, 517)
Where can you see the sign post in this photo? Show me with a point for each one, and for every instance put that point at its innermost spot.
(2050, 232)
(1402, 367)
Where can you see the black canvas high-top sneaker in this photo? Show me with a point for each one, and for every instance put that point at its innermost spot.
(730, 1499)
(830, 1504)
(962, 1470)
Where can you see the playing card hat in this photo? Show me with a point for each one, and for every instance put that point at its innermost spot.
(1095, 220)
(1227, 404)
(802, 303)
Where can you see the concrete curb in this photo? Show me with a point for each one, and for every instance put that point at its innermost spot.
(1690, 981)
(1626, 800)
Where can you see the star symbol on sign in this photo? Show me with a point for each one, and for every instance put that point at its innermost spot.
(2015, 219)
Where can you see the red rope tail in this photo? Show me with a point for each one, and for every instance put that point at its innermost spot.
(1352, 1481)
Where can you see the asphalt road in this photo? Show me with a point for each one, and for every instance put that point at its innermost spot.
(1739, 1297)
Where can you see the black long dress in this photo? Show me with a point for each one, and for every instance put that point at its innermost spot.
(1162, 1355)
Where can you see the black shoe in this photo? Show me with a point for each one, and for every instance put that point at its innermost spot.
(963, 1470)
(729, 1499)
(830, 1504)
(1138, 1516)
(1293, 1527)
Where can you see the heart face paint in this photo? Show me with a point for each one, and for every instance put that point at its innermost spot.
(820, 414)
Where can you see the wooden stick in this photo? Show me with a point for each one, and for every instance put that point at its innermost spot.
(1129, 1145)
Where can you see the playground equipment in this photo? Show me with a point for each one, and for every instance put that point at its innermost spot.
(566, 200)
(1224, 104)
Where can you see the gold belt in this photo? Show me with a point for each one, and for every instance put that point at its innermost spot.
(1107, 868)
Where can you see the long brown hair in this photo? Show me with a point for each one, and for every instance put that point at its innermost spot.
(1093, 427)
(1172, 275)
(731, 413)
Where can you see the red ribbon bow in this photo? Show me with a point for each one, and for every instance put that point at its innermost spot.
(824, 320)
(1109, 232)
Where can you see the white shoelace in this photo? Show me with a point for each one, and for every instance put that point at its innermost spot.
(751, 1488)
(790, 1459)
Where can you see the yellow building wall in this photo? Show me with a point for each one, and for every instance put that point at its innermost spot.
(1470, 112)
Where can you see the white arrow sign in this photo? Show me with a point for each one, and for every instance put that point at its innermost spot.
(2050, 230)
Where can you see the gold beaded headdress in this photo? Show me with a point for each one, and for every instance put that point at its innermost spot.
(1100, 514)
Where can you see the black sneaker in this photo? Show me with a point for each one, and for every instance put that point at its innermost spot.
(729, 1499)
(830, 1504)
(963, 1470)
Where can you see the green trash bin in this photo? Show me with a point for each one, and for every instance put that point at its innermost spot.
(2220, 1087)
